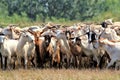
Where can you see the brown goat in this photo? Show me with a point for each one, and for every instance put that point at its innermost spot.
(76, 52)
(42, 54)
(54, 51)
(38, 42)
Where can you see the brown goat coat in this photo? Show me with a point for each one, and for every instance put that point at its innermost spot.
(54, 53)
(38, 47)
(76, 51)
(43, 51)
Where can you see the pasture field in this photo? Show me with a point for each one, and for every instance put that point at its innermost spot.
(59, 74)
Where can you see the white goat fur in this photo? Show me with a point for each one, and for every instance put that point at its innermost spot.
(112, 49)
(8, 49)
(25, 47)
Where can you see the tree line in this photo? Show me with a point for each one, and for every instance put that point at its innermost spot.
(68, 9)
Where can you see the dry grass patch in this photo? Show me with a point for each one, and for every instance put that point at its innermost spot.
(62, 74)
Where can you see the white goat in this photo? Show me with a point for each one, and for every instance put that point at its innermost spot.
(110, 34)
(8, 49)
(85, 35)
(112, 49)
(10, 32)
(25, 47)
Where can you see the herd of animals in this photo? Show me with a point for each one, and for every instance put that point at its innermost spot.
(56, 46)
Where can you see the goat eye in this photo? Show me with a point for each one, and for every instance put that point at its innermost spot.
(26, 35)
(8, 30)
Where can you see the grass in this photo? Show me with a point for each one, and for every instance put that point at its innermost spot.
(62, 74)
(24, 21)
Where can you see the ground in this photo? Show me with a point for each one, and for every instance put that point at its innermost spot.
(59, 74)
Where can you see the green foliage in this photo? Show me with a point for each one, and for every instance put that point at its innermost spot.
(20, 11)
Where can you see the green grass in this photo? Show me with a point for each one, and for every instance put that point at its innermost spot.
(24, 21)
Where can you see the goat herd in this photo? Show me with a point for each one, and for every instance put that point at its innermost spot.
(56, 46)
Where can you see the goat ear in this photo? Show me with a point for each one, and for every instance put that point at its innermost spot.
(38, 33)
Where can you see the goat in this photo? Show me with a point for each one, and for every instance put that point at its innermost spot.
(54, 51)
(11, 32)
(64, 48)
(8, 49)
(112, 48)
(23, 47)
(41, 46)
(76, 51)
(89, 50)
